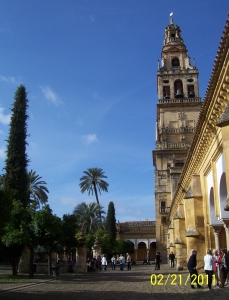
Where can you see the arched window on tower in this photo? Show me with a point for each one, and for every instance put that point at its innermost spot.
(166, 92)
(191, 93)
(178, 89)
(175, 63)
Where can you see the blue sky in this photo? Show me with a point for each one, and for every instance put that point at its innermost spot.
(89, 67)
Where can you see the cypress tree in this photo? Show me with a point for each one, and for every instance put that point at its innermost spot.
(16, 177)
(111, 221)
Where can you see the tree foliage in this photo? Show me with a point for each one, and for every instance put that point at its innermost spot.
(14, 238)
(69, 228)
(111, 220)
(16, 178)
(93, 183)
(124, 246)
(37, 189)
(5, 208)
(48, 230)
(88, 217)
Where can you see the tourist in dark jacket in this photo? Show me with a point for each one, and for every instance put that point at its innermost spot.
(171, 258)
(157, 261)
(192, 269)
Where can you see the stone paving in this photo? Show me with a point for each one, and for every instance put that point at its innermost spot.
(142, 282)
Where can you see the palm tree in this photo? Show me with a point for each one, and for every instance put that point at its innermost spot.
(88, 216)
(37, 190)
(93, 182)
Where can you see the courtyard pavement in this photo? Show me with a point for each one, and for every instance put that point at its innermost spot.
(142, 282)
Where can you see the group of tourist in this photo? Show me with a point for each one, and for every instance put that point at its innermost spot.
(100, 262)
(216, 264)
(121, 260)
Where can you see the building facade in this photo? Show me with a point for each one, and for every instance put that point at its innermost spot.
(199, 212)
(143, 236)
(178, 110)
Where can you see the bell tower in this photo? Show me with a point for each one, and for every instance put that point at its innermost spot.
(178, 109)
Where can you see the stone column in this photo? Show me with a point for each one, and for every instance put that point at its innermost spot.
(81, 256)
(216, 233)
(180, 237)
(23, 266)
(194, 219)
(171, 245)
(180, 260)
(226, 226)
(96, 248)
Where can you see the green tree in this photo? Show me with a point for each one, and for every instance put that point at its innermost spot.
(16, 158)
(111, 220)
(15, 178)
(93, 182)
(14, 237)
(89, 217)
(48, 230)
(37, 189)
(106, 242)
(70, 228)
(124, 246)
(5, 208)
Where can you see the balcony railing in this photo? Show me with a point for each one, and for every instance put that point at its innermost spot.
(172, 146)
(178, 130)
(179, 100)
(164, 210)
(173, 70)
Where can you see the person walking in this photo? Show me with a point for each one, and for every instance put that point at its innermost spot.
(104, 262)
(128, 260)
(217, 263)
(192, 269)
(148, 258)
(121, 261)
(224, 267)
(113, 262)
(171, 258)
(208, 267)
(157, 261)
(99, 261)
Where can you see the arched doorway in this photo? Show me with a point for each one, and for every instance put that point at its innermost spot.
(152, 251)
(142, 251)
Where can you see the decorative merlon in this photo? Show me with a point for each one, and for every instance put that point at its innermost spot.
(189, 193)
(192, 232)
(177, 241)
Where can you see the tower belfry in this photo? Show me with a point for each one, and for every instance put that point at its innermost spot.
(178, 109)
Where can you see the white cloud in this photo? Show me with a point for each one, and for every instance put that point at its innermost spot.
(10, 79)
(50, 95)
(68, 201)
(5, 119)
(89, 138)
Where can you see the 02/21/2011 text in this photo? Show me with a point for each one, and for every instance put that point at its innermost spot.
(179, 279)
